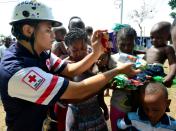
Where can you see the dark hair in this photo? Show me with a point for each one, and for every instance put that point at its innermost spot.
(61, 29)
(162, 27)
(75, 34)
(16, 29)
(154, 88)
(89, 30)
(74, 17)
(76, 22)
(126, 32)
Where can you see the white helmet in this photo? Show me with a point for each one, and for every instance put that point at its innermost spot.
(32, 10)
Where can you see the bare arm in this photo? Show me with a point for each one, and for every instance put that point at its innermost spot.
(46, 88)
(81, 66)
(73, 69)
(81, 90)
(172, 65)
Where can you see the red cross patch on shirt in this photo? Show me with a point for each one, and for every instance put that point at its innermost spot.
(33, 79)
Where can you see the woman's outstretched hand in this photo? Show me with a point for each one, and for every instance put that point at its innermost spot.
(128, 69)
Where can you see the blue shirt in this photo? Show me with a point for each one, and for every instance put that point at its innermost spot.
(28, 87)
(138, 121)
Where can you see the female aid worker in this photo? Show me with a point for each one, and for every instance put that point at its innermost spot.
(29, 73)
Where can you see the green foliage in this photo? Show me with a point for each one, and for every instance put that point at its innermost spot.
(172, 4)
(173, 15)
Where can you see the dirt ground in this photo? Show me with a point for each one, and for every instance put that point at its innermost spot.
(2, 116)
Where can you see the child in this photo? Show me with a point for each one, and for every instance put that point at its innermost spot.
(152, 115)
(159, 53)
(88, 114)
(89, 31)
(103, 65)
(121, 98)
(76, 22)
(59, 48)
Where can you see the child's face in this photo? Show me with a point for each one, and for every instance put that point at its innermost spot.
(126, 45)
(154, 106)
(59, 36)
(158, 39)
(78, 50)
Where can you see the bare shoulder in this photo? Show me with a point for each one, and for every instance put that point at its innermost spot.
(170, 53)
(169, 49)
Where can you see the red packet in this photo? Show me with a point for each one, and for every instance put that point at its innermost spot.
(105, 39)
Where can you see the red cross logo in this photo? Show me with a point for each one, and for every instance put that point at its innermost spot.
(32, 78)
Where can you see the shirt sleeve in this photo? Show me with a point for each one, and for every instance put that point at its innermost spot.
(34, 85)
(57, 64)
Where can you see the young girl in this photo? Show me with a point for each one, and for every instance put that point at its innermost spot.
(121, 98)
(86, 115)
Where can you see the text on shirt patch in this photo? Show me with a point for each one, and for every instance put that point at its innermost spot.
(33, 79)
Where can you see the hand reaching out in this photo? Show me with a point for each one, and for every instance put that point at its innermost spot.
(128, 69)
